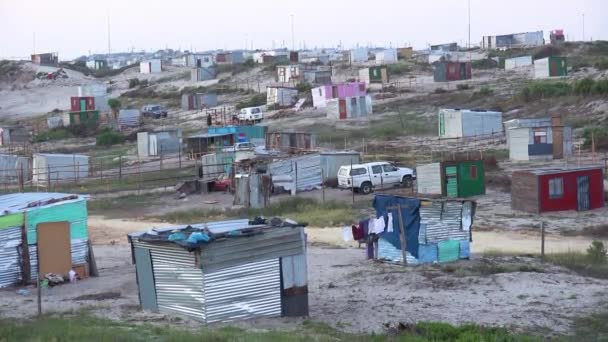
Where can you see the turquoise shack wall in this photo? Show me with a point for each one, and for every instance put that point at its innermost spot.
(251, 132)
(74, 212)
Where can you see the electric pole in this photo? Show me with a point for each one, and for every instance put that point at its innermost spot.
(583, 26)
(469, 24)
(293, 42)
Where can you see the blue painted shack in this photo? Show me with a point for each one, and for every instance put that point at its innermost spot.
(52, 224)
(242, 133)
(436, 230)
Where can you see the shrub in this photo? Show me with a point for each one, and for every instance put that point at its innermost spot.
(303, 87)
(546, 51)
(487, 63)
(599, 134)
(483, 92)
(597, 253)
(440, 91)
(601, 63)
(463, 86)
(398, 69)
(108, 137)
(59, 133)
(133, 82)
(543, 89)
(583, 87)
(254, 101)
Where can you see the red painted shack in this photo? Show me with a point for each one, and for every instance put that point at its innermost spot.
(452, 71)
(82, 103)
(546, 190)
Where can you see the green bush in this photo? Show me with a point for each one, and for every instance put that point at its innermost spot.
(398, 69)
(254, 101)
(440, 91)
(59, 133)
(303, 88)
(583, 87)
(487, 63)
(601, 63)
(597, 253)
(483, 92)
(599, 134)
(463, 86)
(108, 137)
(133, 82)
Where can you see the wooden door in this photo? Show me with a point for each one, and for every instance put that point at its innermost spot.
(54, 251)
(83, 105)
(342, 106)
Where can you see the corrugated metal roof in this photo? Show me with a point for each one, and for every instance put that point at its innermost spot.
(550, 171)
(216, 227)
(18, 202)
(209, 135)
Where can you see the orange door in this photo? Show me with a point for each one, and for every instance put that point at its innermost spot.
(342, 109)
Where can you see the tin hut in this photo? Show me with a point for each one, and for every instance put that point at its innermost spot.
(553, 66)
(386, 56)
(463, 123)
(159, 142)
(349, 107)
(203, 143)
(152, 66)
(203, 74)
(281, 96)
(320, 95)
(458, 178)
(375, 74)
(129, 118)
(296, 173)
(13, 136)
(14, 168)
(333, 160)
(47, 167)
(405, 53)
(42, 233)
(518, 62)
(198, 101)
(290, 142)
(242, 133)
(538, 139)
(452, 71)
(222, 271)
(288, 73)
(546, 190)
(435, 230)
(45, 58)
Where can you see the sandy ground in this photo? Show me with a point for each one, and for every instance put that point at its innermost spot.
(350, 293)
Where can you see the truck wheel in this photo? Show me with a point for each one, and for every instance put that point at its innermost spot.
(366, 188)
(407, 182)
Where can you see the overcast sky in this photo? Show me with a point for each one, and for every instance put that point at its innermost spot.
(76, 27)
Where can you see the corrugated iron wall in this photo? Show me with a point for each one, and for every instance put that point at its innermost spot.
(10, 264)
(387, 251)
(74, 211)
(307, 170)
(244, 291)
(79, 252)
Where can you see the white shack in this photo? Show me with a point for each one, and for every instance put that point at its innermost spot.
(151, 66)
(359, 55)
(354, 107)
(281, 96)
(461, 123)
(518, 62)
(387, 56)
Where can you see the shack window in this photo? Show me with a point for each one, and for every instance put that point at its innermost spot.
(540, 136)
(556, 188)
(473, 171)
(375, 72)
(353, 101)
(334, 92)
(362, 87)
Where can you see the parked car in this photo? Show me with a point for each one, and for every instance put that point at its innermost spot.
(251, 114)
(365, 177)
(223, 183)
(154, 111)
(244, 146)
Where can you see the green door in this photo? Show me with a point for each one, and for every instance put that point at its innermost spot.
(451, 179)
(83, 105)
(441, 124)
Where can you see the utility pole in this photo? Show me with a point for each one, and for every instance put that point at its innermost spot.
(109, 44)
(583, 26)
(34, 38)
(469, 45)
(293, 41)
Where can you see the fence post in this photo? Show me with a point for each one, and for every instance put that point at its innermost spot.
(100, 171)
(21, 180)
(323, 183)
(120, 167)
(48, 177)
(161, 158)
(542, 240)
(179, 156)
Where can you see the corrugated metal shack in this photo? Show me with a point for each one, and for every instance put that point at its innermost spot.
(462, 123)
(129, 118)
(452, 71)
(150, 144)
(51, 58)
(13, 136)
(359, 55)
(375, 74)
(281, 96)
(290, 142)
(538, 139)
(243, 271)
(296, 174)
(518, 62)
(242, 133)
(150, 67)
(332, 161)
(546, 190)
(553, 66)
(24, 226)
(204, 143)
(13, 167)
(456, 178)
(47, 167)
(435, 230)
(198, 101)
(252, 190)
(354, 107)
(203, 74)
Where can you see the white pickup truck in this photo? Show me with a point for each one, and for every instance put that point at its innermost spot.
(365, 177)
(251, 114)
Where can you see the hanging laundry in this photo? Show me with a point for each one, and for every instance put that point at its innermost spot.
(389, 225)
(364, 225)
(348, 233)
(357, 232)
(378, 225)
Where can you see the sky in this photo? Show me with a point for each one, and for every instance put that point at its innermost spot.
(74, 27)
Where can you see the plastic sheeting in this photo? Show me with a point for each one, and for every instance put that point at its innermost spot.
(448, 250)
(465, 249)
(411, 220)
(428, 254)
(386, 251)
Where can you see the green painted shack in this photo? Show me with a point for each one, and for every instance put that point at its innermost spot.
(455, 179)
(90, 117)
(554, 66)
(374, 74)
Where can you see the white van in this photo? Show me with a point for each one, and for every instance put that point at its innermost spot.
(252, 114)
(365, 177)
